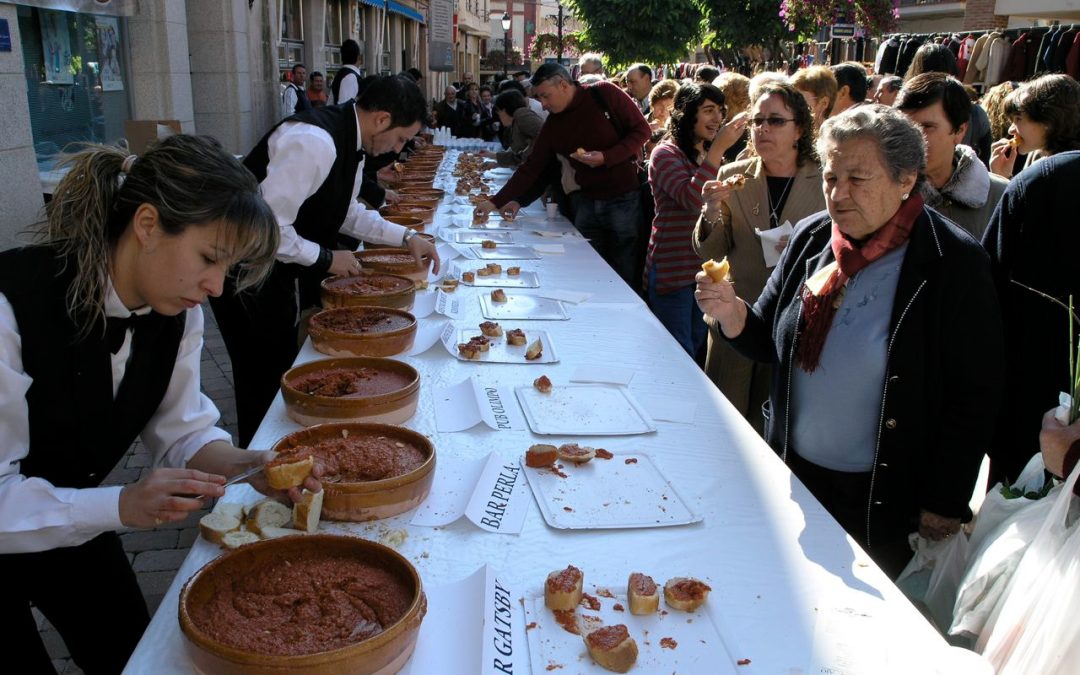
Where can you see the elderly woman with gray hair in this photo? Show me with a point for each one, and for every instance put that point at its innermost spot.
(883, 327)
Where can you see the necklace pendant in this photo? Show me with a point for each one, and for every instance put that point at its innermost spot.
(757, 209)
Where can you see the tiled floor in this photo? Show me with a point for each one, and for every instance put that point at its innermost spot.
(156, 554)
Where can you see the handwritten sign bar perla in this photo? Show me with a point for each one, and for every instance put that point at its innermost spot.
(441, 36)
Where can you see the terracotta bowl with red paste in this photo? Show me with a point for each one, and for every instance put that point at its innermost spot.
(405, 221)
(322, 603)
(369, 290)
(393, 261)
(424, 213)
(370, 471)
(356, 389)
(362, 331)
(422, 191)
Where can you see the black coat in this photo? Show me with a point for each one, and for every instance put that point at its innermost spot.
(943, 383)
(1033, 239)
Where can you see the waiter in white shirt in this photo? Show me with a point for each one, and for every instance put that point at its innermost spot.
(100, 341)
(310, 168)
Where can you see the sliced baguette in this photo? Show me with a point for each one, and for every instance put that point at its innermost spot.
(685, 593)
(238, 538)
(230, 509)
(643, 593)
(268, 513)
(563, 588)
(612, 648)
(214, 526)
(306, 512)
(276, 532)
(287, 474)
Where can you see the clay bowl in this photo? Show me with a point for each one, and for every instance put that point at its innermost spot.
(406, 221)
(419, 200)
(423, 165)
(424, 213)
(386, 652)
(374, 499)
(395, 260)
(369, 290)
(398, 183)
(395, 388)
(362, 331)
(426, 192)
(426, 237)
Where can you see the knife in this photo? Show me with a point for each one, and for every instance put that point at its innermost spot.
(244, 475)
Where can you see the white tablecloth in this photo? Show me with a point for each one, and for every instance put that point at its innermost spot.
(775, 559)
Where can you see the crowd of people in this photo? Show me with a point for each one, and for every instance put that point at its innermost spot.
(875, 329)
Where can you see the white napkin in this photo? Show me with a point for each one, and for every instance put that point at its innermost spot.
(770, 239)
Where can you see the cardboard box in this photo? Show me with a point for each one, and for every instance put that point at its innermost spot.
(141, 132)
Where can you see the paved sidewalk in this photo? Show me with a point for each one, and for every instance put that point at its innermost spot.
(156, 554)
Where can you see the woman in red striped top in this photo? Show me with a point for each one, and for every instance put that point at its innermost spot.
(688, 156)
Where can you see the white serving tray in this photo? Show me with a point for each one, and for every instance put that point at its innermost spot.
(478, 237)
(699, 646)
(505, 253)
(584, 410)
(522, 308)
(625, 491)
(527, 278)
(500, 351)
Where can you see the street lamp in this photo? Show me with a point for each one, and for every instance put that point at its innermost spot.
(506, 42)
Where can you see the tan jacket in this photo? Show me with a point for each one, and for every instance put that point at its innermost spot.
(743, 382)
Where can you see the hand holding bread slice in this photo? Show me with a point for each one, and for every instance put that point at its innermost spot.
(717, 271)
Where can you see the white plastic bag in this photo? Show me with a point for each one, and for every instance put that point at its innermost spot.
(992, 563)
(1034, 627)
(933, 576)
(996, 508)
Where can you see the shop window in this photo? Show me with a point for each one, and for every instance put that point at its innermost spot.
(336, 32)
(76, 80)
(291, 47)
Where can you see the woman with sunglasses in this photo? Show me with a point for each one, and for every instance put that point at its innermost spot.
(687, 157)
(782, 185)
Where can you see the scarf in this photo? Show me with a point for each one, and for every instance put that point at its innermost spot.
(823, 293)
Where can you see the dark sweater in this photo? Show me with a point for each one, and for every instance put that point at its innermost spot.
(583, 125)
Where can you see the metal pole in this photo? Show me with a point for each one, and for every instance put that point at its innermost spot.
(560, 34)
(506, 53)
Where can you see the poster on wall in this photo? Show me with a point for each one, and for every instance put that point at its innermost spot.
(56, 45)
(441, 36)
(108, 48)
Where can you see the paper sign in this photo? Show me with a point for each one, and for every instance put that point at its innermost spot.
(464, 405)
(448, 305)
(427, 334)
(472, 626)
(446, 252)
(455, 482)
(424, 304)
(501, 499)
(770, 241)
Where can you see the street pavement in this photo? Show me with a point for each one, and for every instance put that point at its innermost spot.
(156, 554)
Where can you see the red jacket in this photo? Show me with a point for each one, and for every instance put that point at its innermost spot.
(583, 125)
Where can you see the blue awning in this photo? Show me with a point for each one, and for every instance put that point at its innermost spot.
(401, 9)
(373, 3)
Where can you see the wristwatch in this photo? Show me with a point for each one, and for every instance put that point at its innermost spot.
(409, 234)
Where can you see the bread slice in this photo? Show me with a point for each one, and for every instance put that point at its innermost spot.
(543, 384)
(498, 295)
(562, 590)
(516, 337)
(612, 648)
(268, 513)
(685, 593)
(535, 350)
(306, 512)
(214, 526)
(233, 509)
(643, 594)
(541, 455)
(285, 472)
(717, 271)
(278, 532)
(238, 538)
(578, 454)
(491, 329)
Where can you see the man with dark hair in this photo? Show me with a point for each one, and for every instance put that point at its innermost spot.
(851, 86)
(957, 183)
(599, 132)
(346, 82)
(316, 92)
(533, 104)
(294, 99)
(310, 170)
(417, 76)
(706, 74)
(639, 83)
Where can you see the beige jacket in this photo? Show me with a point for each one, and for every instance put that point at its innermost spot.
(743, 382)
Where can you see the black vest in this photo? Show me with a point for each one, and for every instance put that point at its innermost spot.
(321, 215)
(78, 432)
(339, 77)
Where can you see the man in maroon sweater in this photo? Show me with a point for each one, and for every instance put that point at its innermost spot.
(610, 130)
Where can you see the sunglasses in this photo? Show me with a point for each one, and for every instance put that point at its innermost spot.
(773, 122)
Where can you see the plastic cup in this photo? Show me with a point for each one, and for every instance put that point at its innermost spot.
(552, 210)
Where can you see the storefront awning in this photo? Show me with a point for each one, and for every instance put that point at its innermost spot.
(405, 11)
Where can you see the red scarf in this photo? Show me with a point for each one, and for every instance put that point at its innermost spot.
(820, 304)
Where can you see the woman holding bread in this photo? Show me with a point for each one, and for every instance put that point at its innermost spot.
(100, 342)
(882, 325)
(681, 164)
(1045, 116)
(782, 184)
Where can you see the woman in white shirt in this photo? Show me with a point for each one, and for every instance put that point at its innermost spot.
(100, 341)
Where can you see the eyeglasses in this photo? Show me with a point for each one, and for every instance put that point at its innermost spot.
(773, 122)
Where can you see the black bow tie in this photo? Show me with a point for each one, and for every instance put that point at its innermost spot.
(116, 329)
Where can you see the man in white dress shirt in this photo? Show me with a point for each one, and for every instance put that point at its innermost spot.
(294, 99)
(310, 169)
(346, 84)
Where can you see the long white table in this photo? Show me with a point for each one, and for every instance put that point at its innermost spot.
(777, 562)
